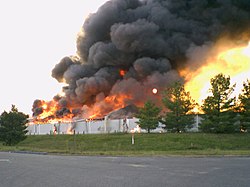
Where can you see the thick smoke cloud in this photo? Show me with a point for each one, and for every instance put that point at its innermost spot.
(149, 40)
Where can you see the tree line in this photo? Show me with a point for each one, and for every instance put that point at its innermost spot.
(221, 113)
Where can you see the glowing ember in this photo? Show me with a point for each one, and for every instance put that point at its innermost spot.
(122, 72)
(234, 62)
(154, 91)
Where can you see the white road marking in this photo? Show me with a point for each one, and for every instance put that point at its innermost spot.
(4, 160)
(137, 165)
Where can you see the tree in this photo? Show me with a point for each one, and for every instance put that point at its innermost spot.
(148, 116)
(179, 105)
(244, 105)
(12, 126)
(219, 107)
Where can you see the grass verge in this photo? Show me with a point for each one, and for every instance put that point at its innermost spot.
(189, 144)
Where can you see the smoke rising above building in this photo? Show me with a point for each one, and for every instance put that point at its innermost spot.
(149, 41)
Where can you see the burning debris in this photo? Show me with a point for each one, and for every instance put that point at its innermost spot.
(127, 112)
(129, 47)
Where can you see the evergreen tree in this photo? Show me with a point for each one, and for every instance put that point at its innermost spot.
(219, 107)
(12, 126)
(179, 105)
(244, 100)
(148, 116)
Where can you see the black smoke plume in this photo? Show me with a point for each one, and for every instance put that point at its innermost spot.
(149, 40)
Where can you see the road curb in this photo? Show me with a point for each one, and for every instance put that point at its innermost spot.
(29, 152)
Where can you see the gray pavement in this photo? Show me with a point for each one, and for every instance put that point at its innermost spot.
(18, 169)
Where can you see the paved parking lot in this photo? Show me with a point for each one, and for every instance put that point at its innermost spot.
(51, 170)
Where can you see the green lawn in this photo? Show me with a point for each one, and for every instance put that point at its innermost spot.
(145, 144)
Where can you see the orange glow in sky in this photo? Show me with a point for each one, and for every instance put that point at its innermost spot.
(233, 62)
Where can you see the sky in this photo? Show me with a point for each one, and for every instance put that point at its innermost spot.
(35, 36)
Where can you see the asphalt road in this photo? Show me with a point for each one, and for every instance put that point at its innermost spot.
(34, 170)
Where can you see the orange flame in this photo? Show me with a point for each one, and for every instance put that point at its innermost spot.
(233, 62)
(122, 72)
(48, 114)
(108, 104)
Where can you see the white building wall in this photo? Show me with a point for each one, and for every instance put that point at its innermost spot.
(197, 119)
(94, 127)
(82, 127)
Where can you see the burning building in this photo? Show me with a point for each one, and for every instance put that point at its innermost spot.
(82, 126)
(130, 47)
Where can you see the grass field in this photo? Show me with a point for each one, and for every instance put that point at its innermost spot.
(195, 144)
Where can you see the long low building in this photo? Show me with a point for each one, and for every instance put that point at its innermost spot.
(84, 127)
(106, 125)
